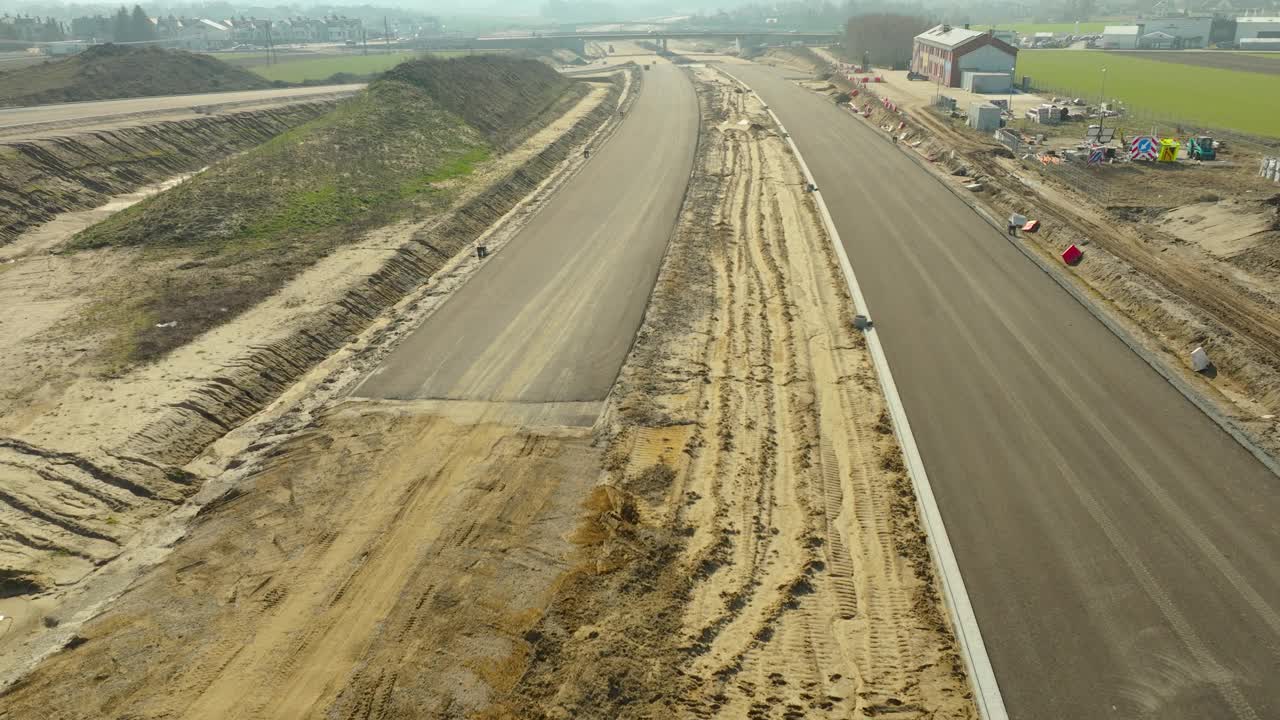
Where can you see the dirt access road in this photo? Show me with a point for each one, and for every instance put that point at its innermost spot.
(30, 122)
(1118, 546)
(552, 316)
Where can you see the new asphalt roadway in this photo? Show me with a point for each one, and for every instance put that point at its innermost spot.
(550, 318)
(1120, 549)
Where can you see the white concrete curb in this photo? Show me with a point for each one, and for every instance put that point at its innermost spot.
(972, 648)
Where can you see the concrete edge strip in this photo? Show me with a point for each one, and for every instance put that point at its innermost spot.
(972, 648)
(1152, 359)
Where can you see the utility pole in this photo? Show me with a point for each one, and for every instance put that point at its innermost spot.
(364, 37)
(386, 33)
(270, 46)
(1012, 70)
(1102, 111)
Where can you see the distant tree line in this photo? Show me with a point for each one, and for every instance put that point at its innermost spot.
(123, 26)
(883, 38)
(132, 26)
(31, 29)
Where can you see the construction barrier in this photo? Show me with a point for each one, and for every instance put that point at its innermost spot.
(1072, 255)
(1143, 147)
(1270, 168)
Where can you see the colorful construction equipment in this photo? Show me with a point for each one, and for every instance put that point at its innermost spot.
(1201, 148)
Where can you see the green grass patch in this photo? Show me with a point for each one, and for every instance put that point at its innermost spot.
(1213, 97)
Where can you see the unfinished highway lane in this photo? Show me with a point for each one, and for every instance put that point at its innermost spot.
(1119, 547)
(550, 318)
(80, 114)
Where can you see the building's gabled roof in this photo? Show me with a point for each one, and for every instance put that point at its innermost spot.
(951, 38)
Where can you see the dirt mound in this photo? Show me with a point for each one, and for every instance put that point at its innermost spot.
(116, 71)
(496, 95)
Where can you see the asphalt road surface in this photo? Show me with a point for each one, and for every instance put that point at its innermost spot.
(93, 113)
(550, 318)
(1119, 548)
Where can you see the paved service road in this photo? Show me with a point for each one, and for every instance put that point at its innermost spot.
(1119, 548)
(90, 113)
(551, 317)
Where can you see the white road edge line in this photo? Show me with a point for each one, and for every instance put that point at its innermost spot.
(972, 648)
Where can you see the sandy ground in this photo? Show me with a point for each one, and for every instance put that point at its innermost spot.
(70, 505)
(736, 537)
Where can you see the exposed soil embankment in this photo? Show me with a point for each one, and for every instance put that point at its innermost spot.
(43, 178)
(122, 71)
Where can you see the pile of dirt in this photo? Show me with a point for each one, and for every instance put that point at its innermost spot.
(110, 71)
(234, 234)
(494, 94)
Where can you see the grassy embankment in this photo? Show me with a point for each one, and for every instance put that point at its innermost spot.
(1214, 97)
(221, 242)
(120, 71)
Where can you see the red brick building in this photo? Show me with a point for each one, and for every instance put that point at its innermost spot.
(944, 53)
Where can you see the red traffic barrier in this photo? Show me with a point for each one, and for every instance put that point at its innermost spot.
(1072, 255)
(1032, 226)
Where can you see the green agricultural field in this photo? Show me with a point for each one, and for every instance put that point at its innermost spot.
(1214, 97)
(291, 69)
